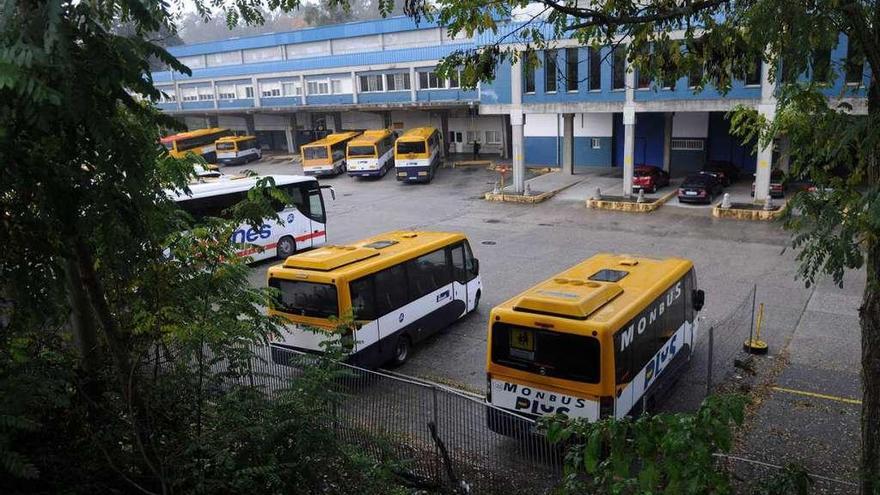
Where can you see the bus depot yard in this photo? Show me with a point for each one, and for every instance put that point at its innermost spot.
(805, 391)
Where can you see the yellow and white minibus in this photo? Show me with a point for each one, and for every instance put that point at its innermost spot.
(303, 222)
(235, 150)
(401, 287)
(326, 156)
(417, 154)
(598, 340)
(200, 141)
(371, 154)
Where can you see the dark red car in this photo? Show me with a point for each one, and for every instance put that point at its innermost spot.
(649, 178)
(777, 184)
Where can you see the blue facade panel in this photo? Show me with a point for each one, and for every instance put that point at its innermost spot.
(542, 151)
(497, 91)
(586, 156)
(446, 95)
(197, 105)
(329, 99)
(648, 142)
(237, 103)
(284, 101)
(389, 97)
(169, 106)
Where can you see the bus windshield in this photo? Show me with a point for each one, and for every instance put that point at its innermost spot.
(546, 353)
(404, 147)
(361, 150)
(225, 146)
(315, 153)
(306, 298)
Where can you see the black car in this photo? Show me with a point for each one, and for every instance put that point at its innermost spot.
(729, 172)
(699, 188)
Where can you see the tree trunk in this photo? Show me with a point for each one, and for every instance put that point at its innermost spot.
(869, 318)
(81, 320)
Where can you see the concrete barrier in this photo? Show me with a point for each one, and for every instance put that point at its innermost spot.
(618, 204)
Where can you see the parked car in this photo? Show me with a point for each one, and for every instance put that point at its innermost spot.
(729, 172)
(649, 178)
(699, 188)
(718, 176)
(777, 184)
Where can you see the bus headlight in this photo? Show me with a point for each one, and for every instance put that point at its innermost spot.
(401, 174)
(423, 174)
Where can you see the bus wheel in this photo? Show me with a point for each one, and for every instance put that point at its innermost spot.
(401, 350)
(286, 247)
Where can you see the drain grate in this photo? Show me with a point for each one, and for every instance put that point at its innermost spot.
(545, 225)
(347, 194)
(493, 220)
(488, 243)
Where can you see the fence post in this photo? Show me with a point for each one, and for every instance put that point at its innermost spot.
(436, 430)
(710, 358)
(752, 322)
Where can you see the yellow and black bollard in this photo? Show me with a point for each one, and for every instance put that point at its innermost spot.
(754, 345)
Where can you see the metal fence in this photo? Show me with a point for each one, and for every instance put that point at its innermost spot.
(440, 436)
(724, 340)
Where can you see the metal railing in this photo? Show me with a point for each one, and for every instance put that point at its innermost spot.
(724, 340)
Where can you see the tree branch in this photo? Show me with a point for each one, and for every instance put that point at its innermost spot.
(596, 17)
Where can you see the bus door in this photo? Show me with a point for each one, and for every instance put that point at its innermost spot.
(317, 229)
(460, 276)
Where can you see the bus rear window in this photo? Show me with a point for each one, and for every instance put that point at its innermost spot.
(361, 151)
(225, 146)
(306, 298)
(410, 147)
(315, 153)
(546, 353)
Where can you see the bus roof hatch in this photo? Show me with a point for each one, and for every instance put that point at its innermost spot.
(329, 257)
(568, 298)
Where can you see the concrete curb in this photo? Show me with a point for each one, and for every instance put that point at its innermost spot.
(489, 164)
(533, 199)
(743, 214)
(603, 204)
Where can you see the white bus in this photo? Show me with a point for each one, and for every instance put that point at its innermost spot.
(235, 150)
(303, 221)
(371, 154)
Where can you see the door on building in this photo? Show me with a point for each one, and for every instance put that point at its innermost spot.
(456, 141)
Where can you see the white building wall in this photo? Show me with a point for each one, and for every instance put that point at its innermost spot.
(411, 119)
(690, 124)
(231, 122)
(542, 124)
(593, 124)
(193, 123)
(263, 122)
(361, 120)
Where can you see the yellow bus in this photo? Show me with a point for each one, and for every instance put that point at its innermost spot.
(417, 154)
(371, 154)
(598, 340)
(326, 156)
(401, 287)
(199, 141)
(234, 150)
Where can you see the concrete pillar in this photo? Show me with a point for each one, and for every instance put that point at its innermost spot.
(505, 137)
(519, 165)
(214, 94)
(667, 140)
(568, 143)
(444, 131)
(290, 134)
(386, 120)
(249, 124)
(629, 141)
(767, 108)
(337, 121)
(302, 91)
(412, 83)
(354, 88)
(255, 84)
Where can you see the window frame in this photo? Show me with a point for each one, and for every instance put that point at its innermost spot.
(551, 69)
(595, 61)
(572, 64)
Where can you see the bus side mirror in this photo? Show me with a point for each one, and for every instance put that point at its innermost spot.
(332, 191)
(699, 298)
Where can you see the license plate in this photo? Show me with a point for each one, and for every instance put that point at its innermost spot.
(362, 162)
(413, 164)
(690, 193)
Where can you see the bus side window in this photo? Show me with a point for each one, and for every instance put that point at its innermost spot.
(391, 290)
(459, 266)
(363, 300)
(296, 198)
(428, 273)
(316, 206)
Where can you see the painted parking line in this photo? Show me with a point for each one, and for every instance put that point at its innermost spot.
(845, 400)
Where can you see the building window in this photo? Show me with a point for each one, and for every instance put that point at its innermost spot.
(454, 80)
(752, 76)
(371, 83)
(493, 137)
(224, 58)
(429, 80)
(820, 65)
(266, 54)
(167, 95)
(206, 93)
(550, 69)
(571, 69)
(248, 91)
(194, 62)
(270, 89)
(397, 82)
(336, 86)
(528, 64)
(644, 80)
(687, 144)
(226, 91)
(854, 66)
(471, 136)
(618, 68)
(595, 143)
(318, 87)
(190, 94)
(595, 75)
(291, 89)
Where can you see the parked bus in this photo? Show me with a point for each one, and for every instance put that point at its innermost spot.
(235, 150)
(200, 141)
(370, 154)
(417, 154)
(401, 287)
(598, 340)
(326, 156)
(303, 221)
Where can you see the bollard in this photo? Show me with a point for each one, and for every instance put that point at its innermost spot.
(725, 201)
(756, 345)
(768, 204)
(641, 197)
(527, 191)
(495, 190)
(598, 194)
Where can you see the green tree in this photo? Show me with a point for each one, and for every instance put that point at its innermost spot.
(835, 230)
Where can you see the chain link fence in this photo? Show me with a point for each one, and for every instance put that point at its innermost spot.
(723, 340)
(442, 437)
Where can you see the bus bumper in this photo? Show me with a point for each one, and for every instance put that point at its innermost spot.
(231, 161)
(366, 173)
(413, 174)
